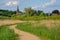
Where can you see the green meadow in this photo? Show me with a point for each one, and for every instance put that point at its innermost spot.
(40, 30)
(6, 33)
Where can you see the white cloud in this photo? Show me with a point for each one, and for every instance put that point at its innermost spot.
(50, 3)
(12, 3)
(45, 4)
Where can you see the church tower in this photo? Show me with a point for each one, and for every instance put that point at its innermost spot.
(17, 11)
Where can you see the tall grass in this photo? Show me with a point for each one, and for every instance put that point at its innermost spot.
(6, 33)
(27, 17)
(41, 30)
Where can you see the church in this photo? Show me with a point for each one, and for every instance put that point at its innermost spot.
(17, 11)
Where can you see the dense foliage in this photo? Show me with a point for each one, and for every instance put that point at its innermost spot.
(6, 13)
(30, 14)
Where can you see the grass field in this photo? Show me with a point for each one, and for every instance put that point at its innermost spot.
(6, 33)
(40, 30)
(45, 29)
(35, 18)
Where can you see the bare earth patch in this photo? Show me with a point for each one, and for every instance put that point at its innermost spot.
(24, 35)
(4, 22)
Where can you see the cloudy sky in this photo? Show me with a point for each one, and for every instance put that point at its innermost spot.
(45, 5)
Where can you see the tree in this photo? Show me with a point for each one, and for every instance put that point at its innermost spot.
(7, 13)
(30, 11)
(39, 12)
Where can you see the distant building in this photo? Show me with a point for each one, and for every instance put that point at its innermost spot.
(17, 11)
(55, 12)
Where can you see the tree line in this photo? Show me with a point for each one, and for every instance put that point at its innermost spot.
(29, 12)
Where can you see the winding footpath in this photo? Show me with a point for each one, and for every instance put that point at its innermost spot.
(22, 35)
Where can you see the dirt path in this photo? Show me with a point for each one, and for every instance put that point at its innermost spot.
(24, 35)
(4, 22)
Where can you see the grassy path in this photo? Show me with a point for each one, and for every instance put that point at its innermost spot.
(27, 36)
(22, 35)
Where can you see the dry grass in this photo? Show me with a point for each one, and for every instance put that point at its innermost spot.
(50, 23)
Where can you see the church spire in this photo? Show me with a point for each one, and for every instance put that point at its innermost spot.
(17, 11)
